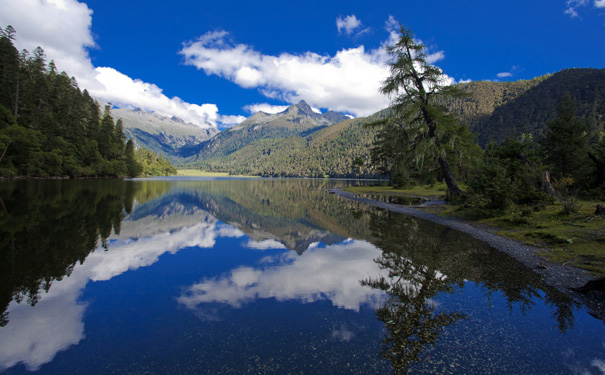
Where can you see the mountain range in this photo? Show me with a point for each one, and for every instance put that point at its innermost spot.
(297, 120)
(302, 143)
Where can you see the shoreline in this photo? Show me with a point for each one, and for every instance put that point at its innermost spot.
(562, 277)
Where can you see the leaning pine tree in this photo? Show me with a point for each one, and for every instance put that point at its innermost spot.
(416, 86)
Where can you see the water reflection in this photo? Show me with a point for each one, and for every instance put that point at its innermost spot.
(51, 320)
(56, 238)
(412, 320)
(320, 273)
(47, 228)
(423, 261)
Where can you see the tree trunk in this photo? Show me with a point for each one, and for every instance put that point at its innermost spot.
(2, 157)
(16, 109)
(450, 181)
(550, 190)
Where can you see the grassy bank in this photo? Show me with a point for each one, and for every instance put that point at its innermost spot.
(577, 239)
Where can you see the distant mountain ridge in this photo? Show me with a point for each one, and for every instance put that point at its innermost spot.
(297, 119)
(300, 142)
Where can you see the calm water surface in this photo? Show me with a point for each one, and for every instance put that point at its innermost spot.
(182, 276)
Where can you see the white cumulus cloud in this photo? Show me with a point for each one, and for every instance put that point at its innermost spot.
(347, 82)
(347, 24)
(63, 29)
(504, 74)
(265, 107)
(599, 3)
(434, 57)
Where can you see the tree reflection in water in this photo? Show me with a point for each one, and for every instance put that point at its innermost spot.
(422, 260)
(48, 226)
(411, 318)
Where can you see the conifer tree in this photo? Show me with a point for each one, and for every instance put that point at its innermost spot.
(9, 68)
(415, 86)
(134, 169)
(106, 133)
(566, 142)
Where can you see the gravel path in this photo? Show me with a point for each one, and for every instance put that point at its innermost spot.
(560, 276)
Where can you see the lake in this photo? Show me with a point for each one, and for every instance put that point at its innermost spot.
(263, 276)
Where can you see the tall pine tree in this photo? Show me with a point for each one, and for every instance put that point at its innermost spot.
(566, 143)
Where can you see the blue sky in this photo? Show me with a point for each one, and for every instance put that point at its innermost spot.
(214, 63)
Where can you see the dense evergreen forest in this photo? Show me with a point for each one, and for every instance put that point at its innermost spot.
(49, 127)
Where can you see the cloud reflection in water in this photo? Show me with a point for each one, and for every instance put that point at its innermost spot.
(321, 273)
(35, 334)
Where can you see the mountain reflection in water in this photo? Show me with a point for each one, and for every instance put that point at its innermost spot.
(293, 273)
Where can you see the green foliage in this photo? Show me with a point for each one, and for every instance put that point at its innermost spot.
(418, 127)
(509, 174)
(596, 180)
(391, 152)
(133, 167)
(566, 143)
(567, 194)
(48, 127)
(149, 164)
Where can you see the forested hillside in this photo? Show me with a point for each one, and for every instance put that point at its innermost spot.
(48, 127)
(499, 110)
(329, 152)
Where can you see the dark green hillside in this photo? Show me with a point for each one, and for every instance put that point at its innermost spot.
(486, 96)
(497, 110)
